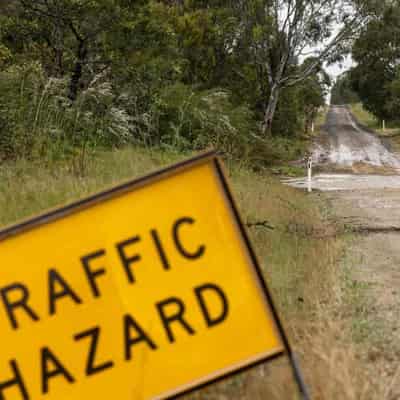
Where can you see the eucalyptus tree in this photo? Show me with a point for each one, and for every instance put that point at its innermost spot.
(376, 51)
(72, 37)
(278, 34)
(342, 91)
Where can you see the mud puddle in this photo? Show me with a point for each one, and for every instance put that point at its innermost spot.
(334, 182)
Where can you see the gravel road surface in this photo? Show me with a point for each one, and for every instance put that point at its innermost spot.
(345, 143)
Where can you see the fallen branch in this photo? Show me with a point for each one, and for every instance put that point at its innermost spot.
(374, 229)
(262, 224)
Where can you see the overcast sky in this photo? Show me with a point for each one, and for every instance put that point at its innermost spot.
(336, 69)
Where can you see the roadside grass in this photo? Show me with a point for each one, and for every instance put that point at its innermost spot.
(321, 117)
(277, 151)
(302, 256)
(295, 162)
(365, 117)
(392, 129)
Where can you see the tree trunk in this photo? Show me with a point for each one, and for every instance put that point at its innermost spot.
(270, 110)
(77, 71)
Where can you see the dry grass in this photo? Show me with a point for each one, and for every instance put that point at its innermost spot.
(305, 266)
(27, 188)
(302, 258)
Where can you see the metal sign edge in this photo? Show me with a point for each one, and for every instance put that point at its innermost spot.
(58, 212)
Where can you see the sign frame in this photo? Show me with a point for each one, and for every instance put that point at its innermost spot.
(131, 185)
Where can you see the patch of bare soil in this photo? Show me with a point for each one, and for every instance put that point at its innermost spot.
(375, 265)
(357, 168)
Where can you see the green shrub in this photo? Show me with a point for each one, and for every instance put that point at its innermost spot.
(37, 117)
(195, 120)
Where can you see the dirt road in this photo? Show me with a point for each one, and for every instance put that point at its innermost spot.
(369, 205)
(345, 143)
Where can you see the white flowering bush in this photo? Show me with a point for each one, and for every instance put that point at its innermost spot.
(36, 115)
(38, 118)
(196, 120)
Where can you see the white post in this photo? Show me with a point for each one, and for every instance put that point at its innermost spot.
(383, 124)
(312, 127)
(309, 174)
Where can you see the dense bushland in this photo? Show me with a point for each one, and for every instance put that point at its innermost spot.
(375, 77)
(78, 75)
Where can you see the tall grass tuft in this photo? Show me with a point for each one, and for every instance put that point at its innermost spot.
(38, 120)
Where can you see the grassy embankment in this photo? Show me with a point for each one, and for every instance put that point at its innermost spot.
(295, 148)
(392, 130)
(302, 258)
